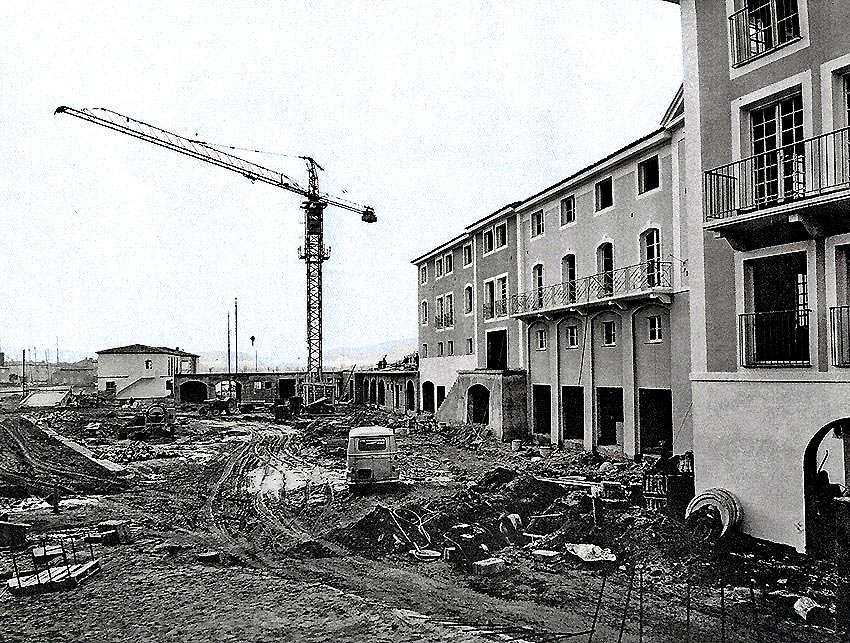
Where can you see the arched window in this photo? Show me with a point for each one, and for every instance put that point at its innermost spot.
(605, 269)
(424, 313)
(537, 281)
(651, 254)
(467, 300)
(568, 276)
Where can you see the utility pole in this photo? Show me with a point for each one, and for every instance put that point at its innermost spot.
(236, 332)
(228, 353)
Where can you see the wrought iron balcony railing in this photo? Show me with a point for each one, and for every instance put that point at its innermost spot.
(807, 169)
(775, 338)
(839, 318)
(643, 277)
(760, 29)
(498, 308)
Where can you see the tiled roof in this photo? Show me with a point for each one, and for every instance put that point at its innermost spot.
(142, 349)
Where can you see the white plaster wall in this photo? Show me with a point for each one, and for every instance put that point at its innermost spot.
(749, 438)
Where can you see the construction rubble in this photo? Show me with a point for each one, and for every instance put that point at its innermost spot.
(484, 540)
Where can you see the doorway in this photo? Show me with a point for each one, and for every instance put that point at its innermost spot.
(410, 397)
(821, 483)
(541, 395)
(609, 407)
(428, 397)
(441, 395)
(478, 404)
(572, 405)
(497, 350)
(655, 413)
(286, 388)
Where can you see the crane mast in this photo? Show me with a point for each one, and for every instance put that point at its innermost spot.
(313, 252)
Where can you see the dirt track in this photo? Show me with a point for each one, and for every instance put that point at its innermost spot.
(238, 487)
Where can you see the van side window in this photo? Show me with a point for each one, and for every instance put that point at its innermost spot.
(371, 444)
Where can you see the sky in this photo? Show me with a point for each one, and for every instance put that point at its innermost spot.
(433, 113)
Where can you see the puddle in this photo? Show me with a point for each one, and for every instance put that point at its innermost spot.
(272, 480)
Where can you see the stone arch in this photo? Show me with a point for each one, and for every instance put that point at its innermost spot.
(193, 392)
(373, 392)
(478, 404)
(382, 393)
(428, 397)
(410, 396)
(818, 491)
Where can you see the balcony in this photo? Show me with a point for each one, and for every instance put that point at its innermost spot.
(839, 318)
(809, 177)
(763, 28)
(498, 308)
(774, 339)
(648, 279)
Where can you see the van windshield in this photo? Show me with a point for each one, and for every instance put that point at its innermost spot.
(371, 444)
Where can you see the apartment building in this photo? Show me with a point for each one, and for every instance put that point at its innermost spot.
(573, 308)
(768, 108)
(604, 301)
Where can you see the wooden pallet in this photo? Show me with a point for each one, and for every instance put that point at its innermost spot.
(53, 579)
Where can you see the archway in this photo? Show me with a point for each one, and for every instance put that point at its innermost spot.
(193, 392)
(428, 397)
(381, 393)
(820, 485)
(351, 390)
(373, 393)
(478, 404)
(410, 401)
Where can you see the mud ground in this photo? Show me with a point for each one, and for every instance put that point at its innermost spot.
(304, 559)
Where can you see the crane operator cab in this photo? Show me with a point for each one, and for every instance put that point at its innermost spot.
(372, 456)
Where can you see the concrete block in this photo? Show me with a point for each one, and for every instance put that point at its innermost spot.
(546, 556)
(488, 567)
(122, 527)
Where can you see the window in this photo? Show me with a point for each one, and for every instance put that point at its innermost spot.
(568, 210)
(761, 26)
(424, 313)
(847, 99)
(568, 276)
(449, 314)
(439, 319)
(423, 275)
(439, 267)
(501, 234)
(654, 328)
(439, 349)
(258, 386)
(467, 255)
(467, 300)
(609, 333)
(148, 364)
(651, 251)
(367, 445)
(496, 298)
(605, 268)
(571, 336)
(649, 176)
(110, 387)
(604, 194)
(537, 280)
(469, 346)
(778, 166)
(537, 223)
(540, 335)
(424, 350)
(448, 261)
(488, 241)
(451, 347)
(268, 385)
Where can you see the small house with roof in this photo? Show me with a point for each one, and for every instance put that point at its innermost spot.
(141, 371)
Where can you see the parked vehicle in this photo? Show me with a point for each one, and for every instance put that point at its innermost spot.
(372, 456)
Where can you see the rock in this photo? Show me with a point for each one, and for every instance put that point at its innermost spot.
(488, 567)
(121, 527)
(605, 466)
(811, 612)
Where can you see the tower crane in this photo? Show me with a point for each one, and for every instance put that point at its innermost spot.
(313, 252)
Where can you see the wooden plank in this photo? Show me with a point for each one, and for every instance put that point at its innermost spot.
(53, 579)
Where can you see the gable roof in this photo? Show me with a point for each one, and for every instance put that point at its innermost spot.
(143, 349)
(676, 110)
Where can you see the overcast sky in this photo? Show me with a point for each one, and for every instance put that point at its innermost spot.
(433, 113)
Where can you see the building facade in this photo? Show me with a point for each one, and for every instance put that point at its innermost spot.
(604, 304)
(140, 371)
(768, 111)
(574, 306)
(254, 386)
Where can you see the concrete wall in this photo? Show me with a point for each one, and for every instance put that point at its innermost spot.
(507, 401)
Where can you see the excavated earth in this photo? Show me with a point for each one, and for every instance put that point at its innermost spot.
(297, 556)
